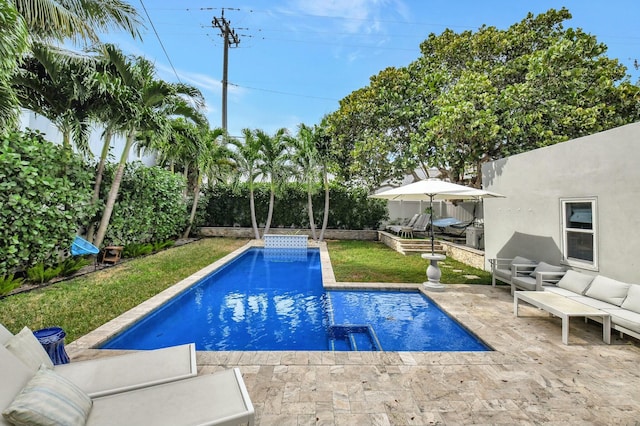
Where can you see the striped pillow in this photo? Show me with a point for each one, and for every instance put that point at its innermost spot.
(49, 399)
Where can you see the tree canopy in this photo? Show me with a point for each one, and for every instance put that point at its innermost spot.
(473, 97)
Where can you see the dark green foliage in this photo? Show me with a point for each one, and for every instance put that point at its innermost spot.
(137, 250)
(142, 249)
(40, 273)
(72, 265)
(150, 206)
(161, 245)
(9, 283)
(350, 208)
(45, 192)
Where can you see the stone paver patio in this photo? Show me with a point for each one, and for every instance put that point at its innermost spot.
(529, 378)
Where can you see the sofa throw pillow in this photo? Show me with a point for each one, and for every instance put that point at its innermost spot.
(632, 301)
(608, 290)
(575, 281)
(26, 347)
(545, 267)
(49, 399)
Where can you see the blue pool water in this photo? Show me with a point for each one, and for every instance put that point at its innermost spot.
(267, 301)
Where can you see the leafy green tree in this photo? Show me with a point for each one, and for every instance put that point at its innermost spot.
(531, 85)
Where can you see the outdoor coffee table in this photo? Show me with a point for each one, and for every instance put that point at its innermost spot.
(563, 308)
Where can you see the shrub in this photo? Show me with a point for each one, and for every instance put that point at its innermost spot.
(350, 208)
(45, 191)
(9, 283)
(150, 205)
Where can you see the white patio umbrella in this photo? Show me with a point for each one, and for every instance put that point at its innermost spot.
(434, 189)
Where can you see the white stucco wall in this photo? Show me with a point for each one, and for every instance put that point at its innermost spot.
(33, 121)
(528, 221)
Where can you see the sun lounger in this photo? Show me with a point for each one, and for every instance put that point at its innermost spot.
(119, 373)
(212, 399)
(398, 228)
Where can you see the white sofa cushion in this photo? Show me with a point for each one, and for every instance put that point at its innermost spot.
(608, 290)
(575, 282)
(632, 302)
(625, 318)
(545, 267)
(26, 347)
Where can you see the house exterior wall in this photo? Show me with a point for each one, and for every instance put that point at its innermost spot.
(528, 221)
(33, 121)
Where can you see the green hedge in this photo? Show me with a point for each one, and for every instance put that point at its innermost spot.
(45, 192)
(150, 207)
(350, 208)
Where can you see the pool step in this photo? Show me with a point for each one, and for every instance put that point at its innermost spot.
(353, 337)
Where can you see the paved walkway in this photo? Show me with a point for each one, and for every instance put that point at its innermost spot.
(530, 377)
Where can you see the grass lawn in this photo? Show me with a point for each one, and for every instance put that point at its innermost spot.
(371, 261)
(82, 304)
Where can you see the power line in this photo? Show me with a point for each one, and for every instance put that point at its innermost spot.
(160, 41)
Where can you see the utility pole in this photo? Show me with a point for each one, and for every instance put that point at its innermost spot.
(230, 37)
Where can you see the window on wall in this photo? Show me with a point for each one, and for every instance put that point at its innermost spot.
(579, 225)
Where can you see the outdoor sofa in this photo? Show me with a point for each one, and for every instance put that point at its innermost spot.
(619, 299)
(524, 274)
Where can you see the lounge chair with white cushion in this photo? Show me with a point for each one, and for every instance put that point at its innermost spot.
(27, 397)
(396, 229)
(106, 375)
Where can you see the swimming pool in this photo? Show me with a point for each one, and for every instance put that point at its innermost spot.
(274, 300)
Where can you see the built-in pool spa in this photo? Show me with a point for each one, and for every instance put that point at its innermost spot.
(271, 300)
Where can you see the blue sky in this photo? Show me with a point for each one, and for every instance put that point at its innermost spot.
(297, 58)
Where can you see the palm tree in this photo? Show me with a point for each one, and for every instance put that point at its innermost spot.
(49, 20)
(59, 84)
(247, 160)
(273, 150)
(14, 41)
(305, 158)
(149, 105)
(212, 162)
(325, 158)
(44, 21)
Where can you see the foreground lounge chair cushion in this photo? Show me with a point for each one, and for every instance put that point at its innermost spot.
(49, 399)
(608, 290)
(632, 301)
(575, 281)
(545, 267)
(119, 373)
(212, 399)
(26, 347)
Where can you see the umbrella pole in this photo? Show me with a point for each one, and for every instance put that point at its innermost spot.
(431, 221)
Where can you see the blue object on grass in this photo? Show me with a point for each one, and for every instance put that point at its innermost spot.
(80, 246)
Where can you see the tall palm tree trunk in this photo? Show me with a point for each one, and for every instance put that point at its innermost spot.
(99, 175)
(252, 207)
(325, 219)
(312, 223)
(194, 208)
(272, 198)
(113, 191)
